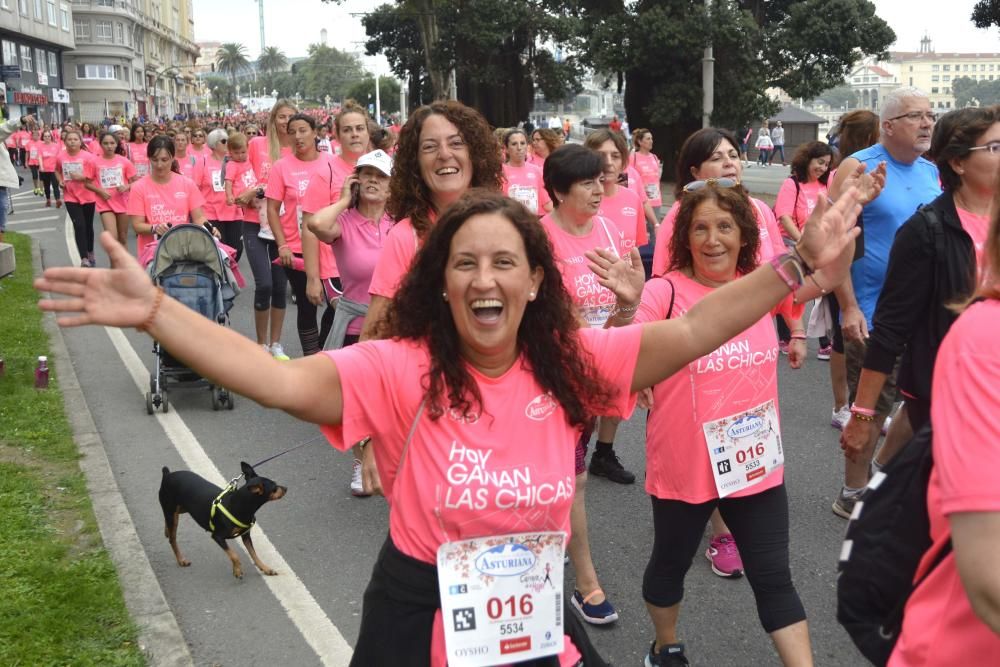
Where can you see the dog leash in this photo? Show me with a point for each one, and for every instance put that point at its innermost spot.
(234, 480)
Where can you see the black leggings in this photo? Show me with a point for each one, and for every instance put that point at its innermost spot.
(760, 528)
(34, 171)
(311, 340)
(232, 234)
(51, 184)
(82, 216)
(14, 158)
(269, 281)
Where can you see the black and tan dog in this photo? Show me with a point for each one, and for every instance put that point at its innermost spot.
(225, 513)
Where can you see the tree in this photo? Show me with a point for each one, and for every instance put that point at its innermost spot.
(285, 84)
(975, 93)
(839, 96)
(221, 90)
(397, 36)
(327, 71)
(364, 92)
(271, 60)
(802, 47)
(986, 13)
(232, 59)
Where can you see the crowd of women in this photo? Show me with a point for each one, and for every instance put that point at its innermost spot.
(441, 301)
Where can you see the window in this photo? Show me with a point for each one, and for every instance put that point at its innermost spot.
(934, 68)
(53, 16)
(946, 77)
(138, 79)
(106, 72)
(5, 4)
(25, 58)
(102, 31)
(911, 80)
(105, 3)
(38, 10)
(64, 17)
(81, 29)
(9, 53)
(992, 66)
(42, 63)
(946, 90)
(22, 6)
(119, 33)
(991, 77)
(947, 68)
(53, 64)
(176, 20)
(935, 78)
(982, 68)
(128, 34)
(934, 91)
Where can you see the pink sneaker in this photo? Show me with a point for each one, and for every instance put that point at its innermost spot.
(724, 556)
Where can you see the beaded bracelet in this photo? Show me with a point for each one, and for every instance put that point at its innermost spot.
(822, 290)
(626, 312)
(157, 300)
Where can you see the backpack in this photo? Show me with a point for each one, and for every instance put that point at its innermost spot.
(887, 536)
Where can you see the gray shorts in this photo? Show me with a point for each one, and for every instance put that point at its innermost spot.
(854, 353)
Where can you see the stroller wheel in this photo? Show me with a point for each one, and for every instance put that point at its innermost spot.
(166, 404)
(216, 399)
(149, 403)
(230, 401)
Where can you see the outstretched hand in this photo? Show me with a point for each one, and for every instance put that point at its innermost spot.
(622, 275)
(868, 183)
(121, 296)
(830, 231)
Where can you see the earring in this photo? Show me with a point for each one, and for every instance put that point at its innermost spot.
(444, 295)
(531, 295)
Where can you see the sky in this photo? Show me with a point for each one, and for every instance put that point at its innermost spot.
(292, 25)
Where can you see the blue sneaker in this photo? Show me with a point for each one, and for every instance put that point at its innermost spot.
(595, 614)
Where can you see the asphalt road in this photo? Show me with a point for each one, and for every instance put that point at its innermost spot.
(328, 540)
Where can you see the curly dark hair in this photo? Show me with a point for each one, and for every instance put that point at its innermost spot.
(805, 154)
(547, 336)
(409, 196)
(737, 204)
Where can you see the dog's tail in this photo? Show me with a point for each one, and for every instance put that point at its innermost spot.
(166, 471)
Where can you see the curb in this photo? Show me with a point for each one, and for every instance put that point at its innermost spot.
(160, 637)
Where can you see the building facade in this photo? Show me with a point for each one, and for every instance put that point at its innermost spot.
(871, 82)
(134, 58)
(34, 34)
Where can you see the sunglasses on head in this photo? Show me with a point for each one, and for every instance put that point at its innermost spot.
(694, 186)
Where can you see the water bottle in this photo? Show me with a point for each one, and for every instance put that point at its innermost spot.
(3, 367)
(42, 373)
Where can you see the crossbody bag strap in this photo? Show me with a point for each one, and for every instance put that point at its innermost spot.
(673, 293)
(409, 437)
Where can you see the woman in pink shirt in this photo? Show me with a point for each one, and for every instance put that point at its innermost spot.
(113, 175)
(650, 169)
(75, 172)
(693, 466)
(711, 153)
(48, 152)
(523, 181)
(137, 149)
(199, 145)
(224, 216)
(543, 142)
(286, 184)
(31, 152)
(953, 616)
(485, 377)
(163, 198)
(190, 165)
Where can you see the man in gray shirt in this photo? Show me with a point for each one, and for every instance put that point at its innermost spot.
(778, 139)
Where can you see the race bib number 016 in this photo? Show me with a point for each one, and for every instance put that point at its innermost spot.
(744, 448)
(501, 598)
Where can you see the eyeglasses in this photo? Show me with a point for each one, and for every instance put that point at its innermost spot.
(993, 147)
(917, 115)
(223, 141)
(694, 186)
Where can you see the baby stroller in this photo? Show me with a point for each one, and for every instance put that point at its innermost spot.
(191, 268)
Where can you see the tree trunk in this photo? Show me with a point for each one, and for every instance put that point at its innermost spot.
(427, 20)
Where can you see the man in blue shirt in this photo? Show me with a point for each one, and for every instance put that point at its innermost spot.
(907, 123)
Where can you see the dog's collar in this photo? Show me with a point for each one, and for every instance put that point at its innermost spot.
(217, 504)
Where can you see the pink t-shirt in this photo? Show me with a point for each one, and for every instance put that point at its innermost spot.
(192, 167)
(524, 184)
(170, 203)
(635, 184)
(650, 170)
(33, 151)
(47, 154)
(108, 174)
(975, 226)
(243, 178)
(138, 153)
(593, 301)
(473, 476)
(357, 251)
(81, 163)
(394, 262)
(625, 210)
(939, 625)
(213, 189)
(204, 151)
(24, 138)
(770, 237)
(287, 183)
(800, 210)
(740, 375)
(93, 146)
(324, 189)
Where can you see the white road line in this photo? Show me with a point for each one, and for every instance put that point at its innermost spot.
(40, 230)
(46, 218)
(303, 610)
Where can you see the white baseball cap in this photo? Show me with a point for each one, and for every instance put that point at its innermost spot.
(378, 159)
(115, 128)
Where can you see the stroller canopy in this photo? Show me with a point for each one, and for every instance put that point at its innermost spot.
(187, 243)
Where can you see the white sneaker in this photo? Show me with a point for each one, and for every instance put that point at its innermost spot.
(357, 486)
(886, 424)
(278, 352)
(267, 348)
(840, 418)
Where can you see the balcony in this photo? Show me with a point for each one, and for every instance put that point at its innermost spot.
(111, 7)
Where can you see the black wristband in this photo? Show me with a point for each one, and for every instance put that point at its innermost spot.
(806, 269)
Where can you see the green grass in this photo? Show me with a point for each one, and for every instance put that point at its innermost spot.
(60, 601)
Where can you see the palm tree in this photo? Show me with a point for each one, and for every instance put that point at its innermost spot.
(271, 60)
(231, 59)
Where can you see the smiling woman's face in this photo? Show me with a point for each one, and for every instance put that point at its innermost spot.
(445, 164)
